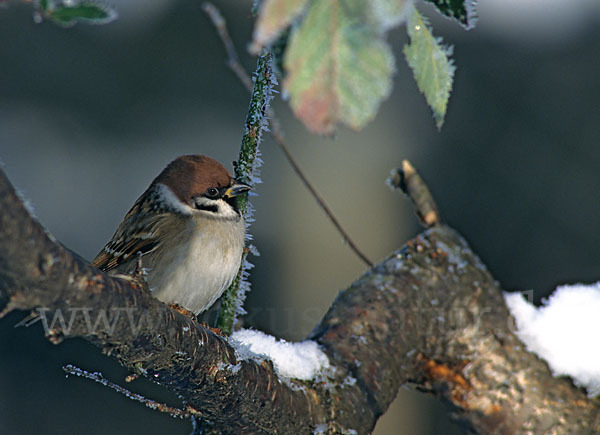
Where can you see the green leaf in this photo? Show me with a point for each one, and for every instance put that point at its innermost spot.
(274, 17)
(67, 14)
(432, 68)
(338, 67)
(45, 5)
(461, 10)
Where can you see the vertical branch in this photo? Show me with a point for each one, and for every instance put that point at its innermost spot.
(246, 170)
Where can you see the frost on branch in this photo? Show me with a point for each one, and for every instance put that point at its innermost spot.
(247, 169)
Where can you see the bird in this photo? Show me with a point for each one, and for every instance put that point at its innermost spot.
(188, 232)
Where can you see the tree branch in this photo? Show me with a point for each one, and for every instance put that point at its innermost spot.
(430, 316)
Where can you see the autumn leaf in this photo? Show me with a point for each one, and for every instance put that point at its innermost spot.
(338, 66)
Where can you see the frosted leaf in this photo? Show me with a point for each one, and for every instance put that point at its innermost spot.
(462, 11)
(429, 60)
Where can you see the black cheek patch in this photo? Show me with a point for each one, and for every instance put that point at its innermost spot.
(205, 207)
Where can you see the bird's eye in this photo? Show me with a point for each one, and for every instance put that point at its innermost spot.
(212, 192)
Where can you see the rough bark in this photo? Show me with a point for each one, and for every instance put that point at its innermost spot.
(430, 316)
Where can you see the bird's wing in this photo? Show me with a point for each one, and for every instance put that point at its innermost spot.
(137, 234)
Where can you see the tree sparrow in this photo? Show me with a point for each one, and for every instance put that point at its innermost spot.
(189, 231)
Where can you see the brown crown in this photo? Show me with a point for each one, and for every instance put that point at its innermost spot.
(189, 176)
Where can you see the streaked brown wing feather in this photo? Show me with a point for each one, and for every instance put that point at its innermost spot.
(123, 253)
(136, 234)
(104, 261)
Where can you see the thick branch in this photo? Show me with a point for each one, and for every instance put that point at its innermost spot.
(430, 315)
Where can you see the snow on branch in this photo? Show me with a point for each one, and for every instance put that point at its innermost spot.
(564, 331)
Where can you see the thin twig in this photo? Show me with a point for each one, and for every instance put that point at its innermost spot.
(232, 57)
(410, 182)
(276, 132)
(97, 377)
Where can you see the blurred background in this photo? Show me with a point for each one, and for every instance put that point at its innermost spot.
(90, 115)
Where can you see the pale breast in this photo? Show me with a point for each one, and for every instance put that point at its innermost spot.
(202, 263)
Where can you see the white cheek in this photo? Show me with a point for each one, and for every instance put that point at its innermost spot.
(172, 201)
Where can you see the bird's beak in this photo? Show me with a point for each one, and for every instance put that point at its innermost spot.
(236, 189)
